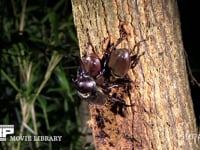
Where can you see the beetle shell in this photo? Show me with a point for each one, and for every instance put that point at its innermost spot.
(119, 62)
(85, 84)
(92, 65)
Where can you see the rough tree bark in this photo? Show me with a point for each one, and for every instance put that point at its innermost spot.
(162, 117)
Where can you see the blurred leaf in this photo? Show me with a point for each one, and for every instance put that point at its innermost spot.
(63, 81)
(43, 105)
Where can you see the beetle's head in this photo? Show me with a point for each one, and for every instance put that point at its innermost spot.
(85, 85)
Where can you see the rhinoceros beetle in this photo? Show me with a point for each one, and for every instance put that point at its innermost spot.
(93, 76)
(89, 90)
(91, 63)
(119, 61)
(87, 82)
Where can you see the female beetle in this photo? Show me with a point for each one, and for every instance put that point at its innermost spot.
(119, 61)
(91, 63)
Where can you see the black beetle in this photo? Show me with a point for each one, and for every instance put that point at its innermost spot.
(119, 61)
(93, 76)
(86, 82)
(86, 85)
(88, 90)
(91, 64)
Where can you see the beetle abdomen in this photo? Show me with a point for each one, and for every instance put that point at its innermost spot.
(119, 62)
(92, 65)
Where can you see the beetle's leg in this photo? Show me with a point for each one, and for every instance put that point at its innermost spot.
(104, 68)
(137, 45)
(87, 46)
(120, 82)
(123, 36)
(121, 102)
(117, 43)
(115, 86)
(125, 79)
(102, 135)
(104, 64)
(134, 59)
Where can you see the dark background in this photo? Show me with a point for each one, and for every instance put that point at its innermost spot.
(189, 16)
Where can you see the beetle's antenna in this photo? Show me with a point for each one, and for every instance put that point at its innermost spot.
(89, 43)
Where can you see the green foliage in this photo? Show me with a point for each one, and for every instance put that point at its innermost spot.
(37, 93)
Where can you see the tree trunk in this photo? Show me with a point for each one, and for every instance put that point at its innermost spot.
(162, 116)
